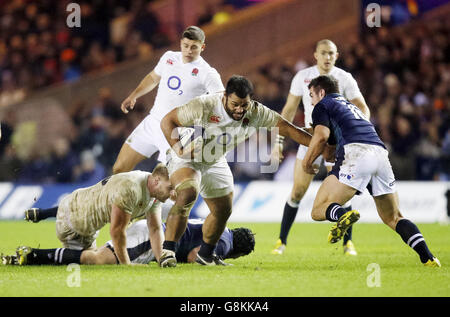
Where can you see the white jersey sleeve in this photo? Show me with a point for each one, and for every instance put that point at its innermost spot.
(297, 85)
(155, 207)
(125, 197)
(350, 87)
(192, 113)
(213, 82)
(159, 68)
(263, 117)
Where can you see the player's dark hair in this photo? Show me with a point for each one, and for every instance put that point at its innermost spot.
(239, 85)
(325, 82)
(194, 33)
(243, 241)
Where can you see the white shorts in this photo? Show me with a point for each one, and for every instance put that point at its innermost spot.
(147, 138)
(65, 233)
(302, 152)
(138, 243)
(366, 166)
(216, 179)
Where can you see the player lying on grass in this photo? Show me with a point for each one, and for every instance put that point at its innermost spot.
(233, 243)
(116, 200)
(361, 161)
(227, 119)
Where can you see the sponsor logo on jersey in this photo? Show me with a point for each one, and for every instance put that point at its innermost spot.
(195, 72)
(348, 176)
(214, 118)
(169, 61)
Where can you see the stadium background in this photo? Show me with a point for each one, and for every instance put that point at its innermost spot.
(61, 88)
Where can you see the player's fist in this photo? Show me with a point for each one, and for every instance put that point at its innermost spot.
(312, 169)
(277, 152)
(128, 104)
(329, 153)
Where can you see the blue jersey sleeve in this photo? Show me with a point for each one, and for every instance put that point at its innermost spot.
(225, 244)
(320, 116)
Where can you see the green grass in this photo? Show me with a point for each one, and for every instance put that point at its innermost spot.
(309, 267)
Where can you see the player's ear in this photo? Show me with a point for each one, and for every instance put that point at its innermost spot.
(203, 47)
(322, 93)
(337, 55)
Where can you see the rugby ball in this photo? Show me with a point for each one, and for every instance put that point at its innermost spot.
(191, 140)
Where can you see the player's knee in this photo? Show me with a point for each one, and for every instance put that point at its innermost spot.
(186, 196)
(317, 214)
(187, 193)
(90, 258)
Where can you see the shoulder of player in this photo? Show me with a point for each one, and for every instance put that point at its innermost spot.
(207, 69)
(258, 108)
(342, 73)
(206, 101)
(169, 54)
(130, 180)
(303, 73)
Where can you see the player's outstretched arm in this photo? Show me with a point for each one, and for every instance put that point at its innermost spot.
(117, 230)
(155, 231)
(287, 129)
(316, 147)
(145, 86)
(361, 104)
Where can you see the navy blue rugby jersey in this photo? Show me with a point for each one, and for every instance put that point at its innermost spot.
(346, 122)
(192, 238)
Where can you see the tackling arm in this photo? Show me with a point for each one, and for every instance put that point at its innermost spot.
(297, 134)
(145, 86)
(316, 147)
(119, 223)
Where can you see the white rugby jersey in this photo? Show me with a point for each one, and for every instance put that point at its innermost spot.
(299, 87)
(90, 207)
(222, 133)
(180, 82)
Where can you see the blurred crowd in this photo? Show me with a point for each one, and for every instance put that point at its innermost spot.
(403, 73)
(37, 49)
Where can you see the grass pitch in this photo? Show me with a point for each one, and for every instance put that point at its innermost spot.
(309, 267)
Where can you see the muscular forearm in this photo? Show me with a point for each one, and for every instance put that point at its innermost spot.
(299, 135)
(156, 241)
(315, 149)
(120, 247)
